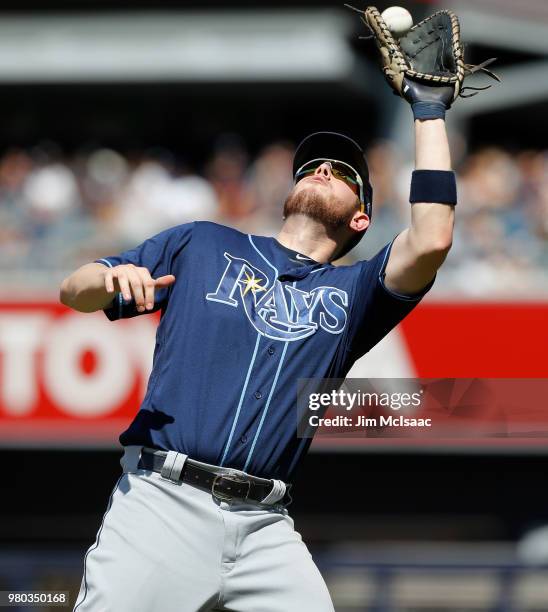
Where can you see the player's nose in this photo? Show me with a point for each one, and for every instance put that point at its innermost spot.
(324, 169)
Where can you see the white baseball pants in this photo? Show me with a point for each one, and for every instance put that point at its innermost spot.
(170, 547)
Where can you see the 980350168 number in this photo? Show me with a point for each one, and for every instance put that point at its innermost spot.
(34, 598)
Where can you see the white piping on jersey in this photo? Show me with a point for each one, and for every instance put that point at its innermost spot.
(269, 395)
(274, 382)
(246, 382)
(271, 265)
(386, 255)
(106, 261)
(263, 416)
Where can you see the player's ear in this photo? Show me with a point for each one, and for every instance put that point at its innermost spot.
(360, 221)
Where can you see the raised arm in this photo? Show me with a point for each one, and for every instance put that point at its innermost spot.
(93, 286)
(419, 251)
(425, 65)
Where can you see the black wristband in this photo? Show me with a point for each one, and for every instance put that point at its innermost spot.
(428, 110)
(437, 186)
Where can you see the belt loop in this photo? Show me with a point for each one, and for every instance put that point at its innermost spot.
(173, 465)
(130, 459)
(277, 493)
(178, 465)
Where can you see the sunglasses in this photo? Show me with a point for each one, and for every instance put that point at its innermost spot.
(340, 170)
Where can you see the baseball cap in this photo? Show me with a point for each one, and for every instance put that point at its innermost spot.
(332, 145)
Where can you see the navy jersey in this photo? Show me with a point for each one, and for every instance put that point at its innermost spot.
(244, 320)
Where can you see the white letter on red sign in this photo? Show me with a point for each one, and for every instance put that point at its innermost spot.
(20, 337)
(74, 391)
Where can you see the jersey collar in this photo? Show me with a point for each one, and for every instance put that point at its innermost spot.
(295, 256)
(298, 265)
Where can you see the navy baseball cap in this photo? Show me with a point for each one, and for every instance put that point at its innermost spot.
(332, 145)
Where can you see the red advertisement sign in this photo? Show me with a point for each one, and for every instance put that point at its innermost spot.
(71, 379)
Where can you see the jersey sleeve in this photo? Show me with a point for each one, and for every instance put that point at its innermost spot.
(377, 309)
(158, 255)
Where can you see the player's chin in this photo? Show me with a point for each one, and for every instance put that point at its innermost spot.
(317, 205)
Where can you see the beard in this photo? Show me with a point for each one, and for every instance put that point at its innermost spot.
(331, 212)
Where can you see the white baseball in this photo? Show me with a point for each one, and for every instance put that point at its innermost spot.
(398, 20)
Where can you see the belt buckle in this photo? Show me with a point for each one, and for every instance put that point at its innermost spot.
(236, 478)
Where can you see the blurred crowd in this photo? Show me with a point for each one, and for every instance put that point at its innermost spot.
(58, 211)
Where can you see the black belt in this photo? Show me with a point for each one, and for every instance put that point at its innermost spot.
(224, 487)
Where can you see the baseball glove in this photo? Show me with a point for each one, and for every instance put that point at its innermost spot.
(426, 65)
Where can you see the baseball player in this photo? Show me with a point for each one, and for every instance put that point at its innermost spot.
(198, 519)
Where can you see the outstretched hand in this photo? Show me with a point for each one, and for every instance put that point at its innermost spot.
(136, 282)
(425, 65)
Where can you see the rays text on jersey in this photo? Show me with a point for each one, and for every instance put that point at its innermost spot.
(280, 310)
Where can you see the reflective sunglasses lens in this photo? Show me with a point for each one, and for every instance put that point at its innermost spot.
(342, 172)
(339, 171)
(305, 172)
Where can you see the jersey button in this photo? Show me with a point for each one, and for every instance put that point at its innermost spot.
(243, 439)
(271, 350)
(258, 395)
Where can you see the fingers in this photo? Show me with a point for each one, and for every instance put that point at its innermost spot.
(148, 284)
(165, 281)
(137, 282)
(120, 275)
(109, 282)
(134, 282)
(137, 288)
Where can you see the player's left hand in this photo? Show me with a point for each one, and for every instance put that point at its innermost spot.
(414, 91)
(426, 65)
